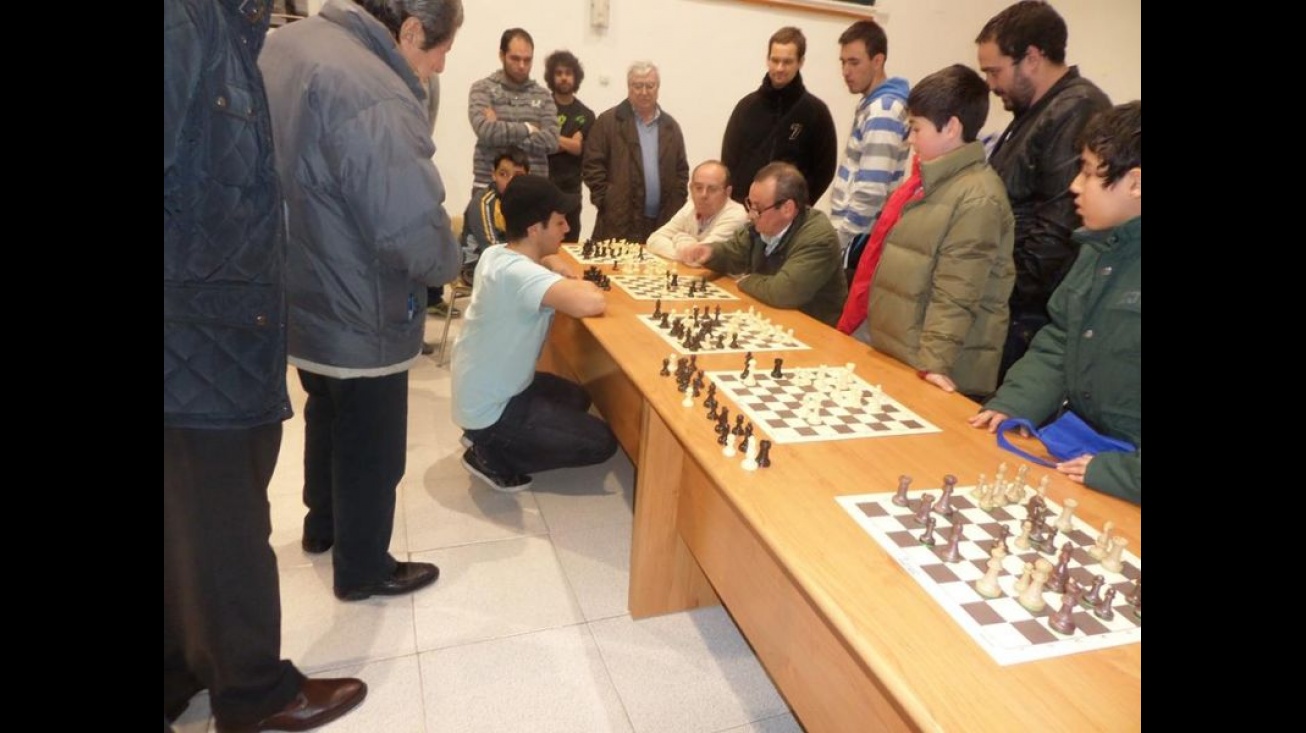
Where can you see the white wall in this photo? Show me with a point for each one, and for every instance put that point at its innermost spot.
(712, 52)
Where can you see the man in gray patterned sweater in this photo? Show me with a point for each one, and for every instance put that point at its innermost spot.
(509, 108)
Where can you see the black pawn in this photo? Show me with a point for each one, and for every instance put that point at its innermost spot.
(764, 454)
(734, 341)
(666, 320)
(900, 496)
(723, 421)
(953, 553)
(657, 308)
(738, 429)
(927, 538)
(666, 368)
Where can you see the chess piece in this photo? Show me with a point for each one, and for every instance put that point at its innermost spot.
(750, 454)
(923, 509)
(764, 454)
(987, 586)
(1022, 542)
(1064, 522)
(953, 553)
(1004, 532)
(981, 488)
(657, 308)
(749, 379)
(1103, 542)
(738, 429)
(1113, 561)
(1091, 598)
(723, 422)
(689, 399)
(666, 320)
(1047, 543)
(666, 368)
(1063, 620)
(927, 538)
(1032, 597)
(1135, 596)
(778, 371)
(944, 504)
(1102, 606)
(1025, 578)
(1061, 573)
(729, 450)
(900, 496)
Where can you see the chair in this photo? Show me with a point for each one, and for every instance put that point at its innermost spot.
(453, 291)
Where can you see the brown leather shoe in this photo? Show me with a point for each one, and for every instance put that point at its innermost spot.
(319, 702)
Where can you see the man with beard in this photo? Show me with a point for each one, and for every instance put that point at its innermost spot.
(1022, 53)
(509, 108)
(563, 75)
(782, 121)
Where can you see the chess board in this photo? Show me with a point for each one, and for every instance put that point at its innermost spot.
(623, 253)
(753, 333)
(655, 287)
(775, 407)
(1001, 626)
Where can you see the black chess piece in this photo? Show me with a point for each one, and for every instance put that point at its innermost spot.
(927, 538)
(923, 509)
(944, 504)
(666, 320)
(778, 372)
(953, 553)
(764, 454)
(738, 429)
(1059, 580)
(657, 308)
(723, 437)
(734, 341)
(1092, 597)
(716, 316)
(666, 368)
(1063, 620)
(900, 496)
(723, 421)
(1102, 606)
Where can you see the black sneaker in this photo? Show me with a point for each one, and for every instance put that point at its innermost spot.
(499, 482)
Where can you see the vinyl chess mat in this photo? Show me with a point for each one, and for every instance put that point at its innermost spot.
(1001, 626)
(781, 408)
(658, 287)
(618, 252)
(737, 332)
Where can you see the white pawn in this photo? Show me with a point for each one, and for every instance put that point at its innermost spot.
(750, 454)
(1025, 577)
(1064, 523)
(689, 399)
(980, 489)
(812, 406)
(1103, 543)
(1113, 560)
(729, 450)
(1032, 597)
(987, 586)
(1022, 542)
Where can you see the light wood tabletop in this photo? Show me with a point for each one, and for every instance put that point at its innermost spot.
(852, 642)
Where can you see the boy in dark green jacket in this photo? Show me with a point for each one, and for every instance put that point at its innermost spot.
(1090, 357)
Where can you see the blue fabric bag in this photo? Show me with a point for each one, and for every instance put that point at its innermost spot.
(1065, 438)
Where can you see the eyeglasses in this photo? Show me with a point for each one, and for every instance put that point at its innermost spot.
(643, 86)
(748, 204)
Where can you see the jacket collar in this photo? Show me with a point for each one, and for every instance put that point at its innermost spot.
(627, 112)
(375, 37)
(1122, 238)
(791, 92)
(941, 169)
(1071, 76)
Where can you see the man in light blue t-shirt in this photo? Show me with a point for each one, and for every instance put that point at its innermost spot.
(518, 420)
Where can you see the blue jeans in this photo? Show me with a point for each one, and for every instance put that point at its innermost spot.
(545, 426)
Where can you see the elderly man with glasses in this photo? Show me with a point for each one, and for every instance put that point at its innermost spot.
(789, 256)
(710, 216)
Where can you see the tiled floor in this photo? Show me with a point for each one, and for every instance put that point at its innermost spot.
(527, 628)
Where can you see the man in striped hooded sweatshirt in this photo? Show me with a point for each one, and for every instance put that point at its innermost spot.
(875, 156)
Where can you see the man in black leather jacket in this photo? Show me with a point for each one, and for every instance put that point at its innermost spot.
(1022, 53)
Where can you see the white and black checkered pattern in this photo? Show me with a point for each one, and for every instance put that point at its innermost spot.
(1004, 628)
(775, 408)
(655, 287)
(753, 334)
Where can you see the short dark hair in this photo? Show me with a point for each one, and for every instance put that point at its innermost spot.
(870, 34)
(440, 19)
(514, 155)
(954, 91)
(786, 35)
(1115, 136)
(512, 33)
(1027, 23)
(562, 59)
(789, 183)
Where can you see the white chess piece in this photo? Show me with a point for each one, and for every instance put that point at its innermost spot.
(1099, 548)
(1025, 577)
(1032, 597)
(750, 454)
(689, 398)
(1113, 561)
(987, 586)
(1064, 522)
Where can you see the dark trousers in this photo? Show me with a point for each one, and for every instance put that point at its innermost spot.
(1020, 332)
(221, 593)
(546, 426)
(573, 224)
(355, 444)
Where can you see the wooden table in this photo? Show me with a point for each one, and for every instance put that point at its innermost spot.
(852, 642)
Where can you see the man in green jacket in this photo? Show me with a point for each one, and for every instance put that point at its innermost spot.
(789, 255)
(1090, 357)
